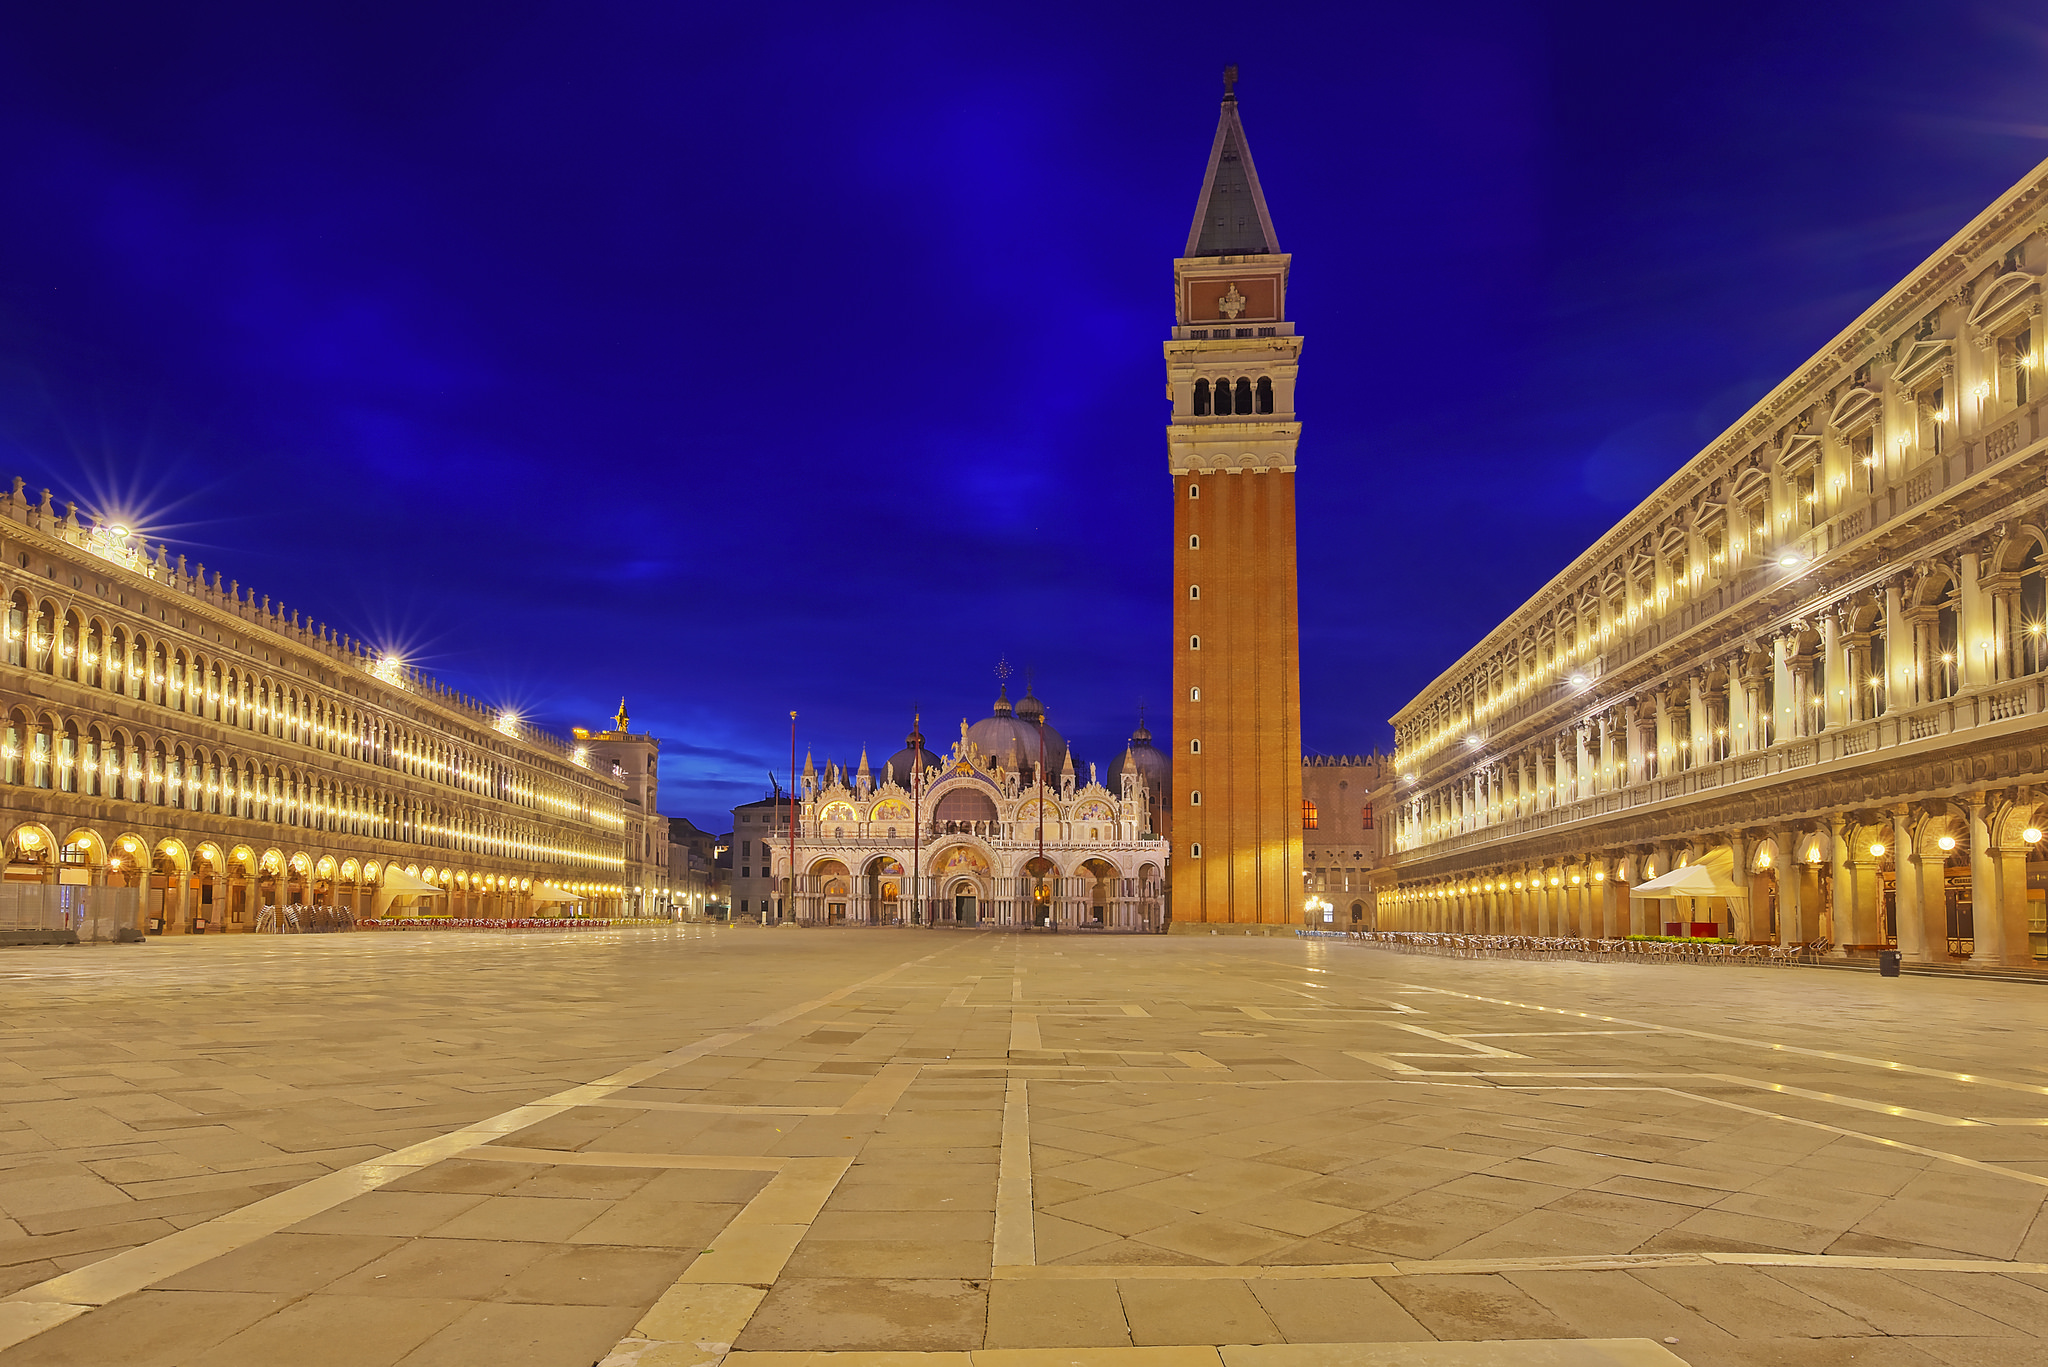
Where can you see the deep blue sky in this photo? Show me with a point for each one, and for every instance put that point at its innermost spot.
(769, 357)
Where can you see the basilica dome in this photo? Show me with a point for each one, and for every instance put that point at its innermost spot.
(913, 756)
(1010, 737)
(1151, 765)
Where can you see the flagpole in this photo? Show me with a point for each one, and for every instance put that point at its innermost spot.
(789, 911)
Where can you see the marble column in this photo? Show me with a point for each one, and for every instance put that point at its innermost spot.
(1906, 890)
(1841, 890)
(1987, 907)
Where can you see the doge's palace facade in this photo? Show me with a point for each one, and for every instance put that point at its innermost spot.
(1814, 657)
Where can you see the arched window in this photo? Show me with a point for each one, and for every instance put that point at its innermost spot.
(174, 777)
(39, 756)
(90, 778)
(1194, 543)
(1309, 818)
(95, 654)
(1264, 396)
(11, 747)
(158, 763)
(159, 668)
(1194, 590)
(1201, 398)
(1195, 797)
(1194, 643)
(112, 760)
(2033, 613)
(17, 629)
(67, 758)
(1194, 851)
(1195, 694)
(1244, 395)
(1194, 491)
(67, 647)
(43, 643)
(1194, 747)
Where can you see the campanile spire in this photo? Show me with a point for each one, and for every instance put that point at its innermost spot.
(1230, 216)
(1231, 367)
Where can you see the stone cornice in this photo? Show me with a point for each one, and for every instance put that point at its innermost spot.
(1943, 271)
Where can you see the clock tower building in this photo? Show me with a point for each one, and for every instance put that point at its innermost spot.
(1230, 368)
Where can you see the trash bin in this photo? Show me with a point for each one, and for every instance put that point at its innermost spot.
(1888, 963)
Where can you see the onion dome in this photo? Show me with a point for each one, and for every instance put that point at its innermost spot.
(911, 758)
(1011, 738)
(1149, 763)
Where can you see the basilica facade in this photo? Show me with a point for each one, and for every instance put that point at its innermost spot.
(1002, 829)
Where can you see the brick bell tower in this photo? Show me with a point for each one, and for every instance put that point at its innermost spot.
(1230, 369)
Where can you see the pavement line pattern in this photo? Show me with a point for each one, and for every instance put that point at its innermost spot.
(36, 1309)
(1888, 1065)
(575, 1158)
(1015, 1238)
(696, 1320)
(1496, 1353)
(1453, 1267)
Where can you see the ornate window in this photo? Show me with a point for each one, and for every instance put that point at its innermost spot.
(1244, 395)
(1264, 394)
(1201, 398)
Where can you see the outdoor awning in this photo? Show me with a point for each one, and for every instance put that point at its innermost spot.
(543, 895)
(1711, 876)
(397, 883)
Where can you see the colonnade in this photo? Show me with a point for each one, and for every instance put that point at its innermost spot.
(1941, 881)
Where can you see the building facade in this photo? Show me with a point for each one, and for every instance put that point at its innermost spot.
(757, 829)
(1813, 658)
(698, 873)
(1001, 830)
(1230, 367)
(173, 733)
(635, 760)
(1340, 837)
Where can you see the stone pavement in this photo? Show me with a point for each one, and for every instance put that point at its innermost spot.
(850, 1148)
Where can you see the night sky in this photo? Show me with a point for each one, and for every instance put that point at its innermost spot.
(756, 358)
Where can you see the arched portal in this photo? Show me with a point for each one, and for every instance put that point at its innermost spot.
(1099, 879)
(830, 888)
(963, 875)
(883, 890)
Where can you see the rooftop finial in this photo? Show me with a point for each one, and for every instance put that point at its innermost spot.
(1230, 82)
(621, 718)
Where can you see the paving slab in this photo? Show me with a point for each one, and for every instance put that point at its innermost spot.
(649, 1147)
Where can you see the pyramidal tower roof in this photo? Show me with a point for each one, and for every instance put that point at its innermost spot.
(1230, 216)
